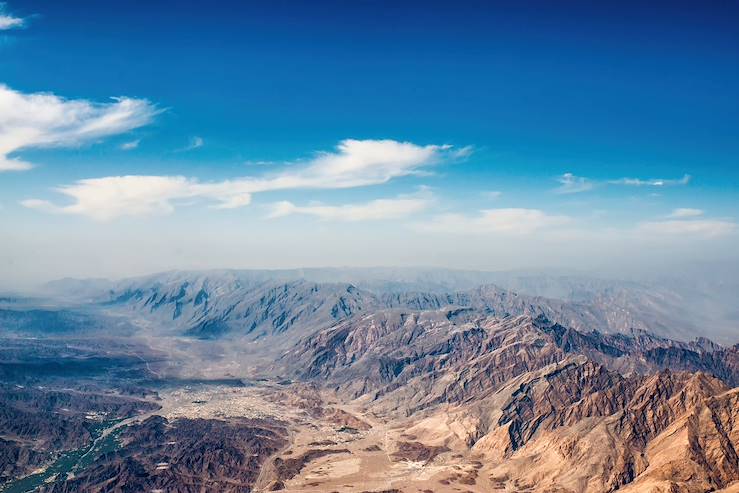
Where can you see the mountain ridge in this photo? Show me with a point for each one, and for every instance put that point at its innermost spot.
(671, 308)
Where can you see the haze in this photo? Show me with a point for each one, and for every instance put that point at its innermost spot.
(418, 143)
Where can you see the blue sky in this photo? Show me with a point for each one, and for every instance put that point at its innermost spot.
(276, 134)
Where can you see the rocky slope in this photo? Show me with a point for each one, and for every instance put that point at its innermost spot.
(673, 308)
(37, 424)
(206, 307)
(250, 308)
(427, 357)
(477, 389)
(545, 407)
(667, 432)
(185, 455)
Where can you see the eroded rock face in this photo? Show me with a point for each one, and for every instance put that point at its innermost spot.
(677, 433)
(579, 427)
(257, 305)
(522, 403)
(419, 359)
(185, 455)
(550, 408)
(17, 459)
(37, 424)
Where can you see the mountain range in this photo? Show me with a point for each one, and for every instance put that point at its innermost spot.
(260, 303)
(366, 381)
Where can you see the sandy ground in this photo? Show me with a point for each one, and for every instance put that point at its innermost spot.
(362, 460)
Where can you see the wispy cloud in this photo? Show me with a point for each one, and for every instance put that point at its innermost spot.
(354, 163)
(106, 198)
(261, 162)
(194, 143)
(492, 194)
(9, 21)
(570, 183)
(129, 146)
(369, 211)
(694, 228)
(514, 221)
(687, 223)
(652, 182)
(463, 152)
(685, 212)
(45, 120)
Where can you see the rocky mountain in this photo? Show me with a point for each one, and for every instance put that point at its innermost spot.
(245, 302)
(453, 358)
(39, 424)
(262, 308)
(578, 427)
(615, 311)
(187, 455)
(538, 400)
(210, 308)
(398, 385)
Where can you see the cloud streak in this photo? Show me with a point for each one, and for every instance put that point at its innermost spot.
(129, 146)
(683, 224)
(685, 212)
(694, 228)
(43, 120)
(195, 143)
(380, 209)
(492, 194)
(513, 221)
(9, 21)
(570, 183)
(354, 163)
(653, 182)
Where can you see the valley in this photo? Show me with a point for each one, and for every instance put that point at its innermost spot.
(312, 387)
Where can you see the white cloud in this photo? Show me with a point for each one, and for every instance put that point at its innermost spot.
(463, 152)
(653, 182)
(195, 143)
(45, 120)
(685, 212)
(369, 211)
(106, 198)
(261, 162)
(363, 162)
(570, 183)
(492, 194)
(504, 221)
(128, 146)
(355, 163)
(9, 21)
(706, 228)
(687, 223)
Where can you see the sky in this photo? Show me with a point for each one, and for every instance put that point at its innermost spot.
(136, 137)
